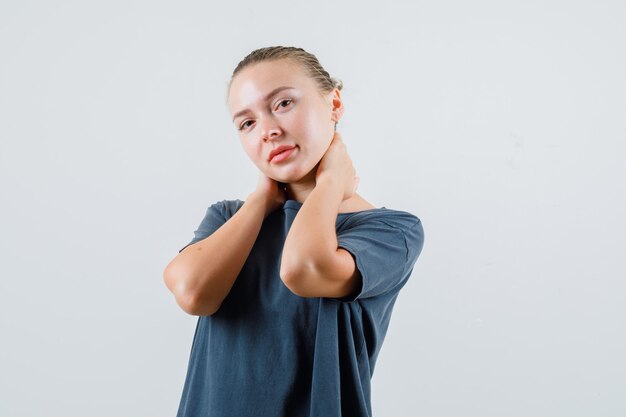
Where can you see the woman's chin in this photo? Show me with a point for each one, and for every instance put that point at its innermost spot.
(287, 180)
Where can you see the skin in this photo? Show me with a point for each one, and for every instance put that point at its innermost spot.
(319, 173)
(303, 117)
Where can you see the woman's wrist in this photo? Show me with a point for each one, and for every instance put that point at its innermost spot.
(256, 197)
(331, 185)
(259, 200)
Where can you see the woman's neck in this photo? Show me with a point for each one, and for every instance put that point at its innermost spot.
(299, 191)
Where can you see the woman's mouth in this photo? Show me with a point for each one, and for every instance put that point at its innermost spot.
(283, 155)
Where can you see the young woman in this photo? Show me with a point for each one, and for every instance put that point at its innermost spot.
(294, 287)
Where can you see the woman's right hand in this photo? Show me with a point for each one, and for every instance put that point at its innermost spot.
(270, 192)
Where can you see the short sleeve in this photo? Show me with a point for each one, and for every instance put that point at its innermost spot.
(384, 254)
(213, 219)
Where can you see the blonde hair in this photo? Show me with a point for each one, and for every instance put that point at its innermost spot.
(309, 63)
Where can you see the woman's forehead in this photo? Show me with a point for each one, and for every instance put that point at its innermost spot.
(267, 75)
(252, 84)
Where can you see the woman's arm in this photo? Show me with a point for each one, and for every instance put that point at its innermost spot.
(311, 264)
(202, 275)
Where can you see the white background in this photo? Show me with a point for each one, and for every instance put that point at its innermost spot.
(501, 125)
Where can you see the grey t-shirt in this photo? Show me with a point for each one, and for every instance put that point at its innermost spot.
(268, 352)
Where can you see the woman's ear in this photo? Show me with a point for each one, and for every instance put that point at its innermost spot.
(336, 106)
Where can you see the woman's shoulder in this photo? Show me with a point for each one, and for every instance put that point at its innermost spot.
(363, 211)
(227, 207)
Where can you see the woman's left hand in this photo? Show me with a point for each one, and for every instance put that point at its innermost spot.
(337, 166)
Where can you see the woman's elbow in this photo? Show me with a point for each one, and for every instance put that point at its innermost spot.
(174, 281)
(196, 306)
(297, 277)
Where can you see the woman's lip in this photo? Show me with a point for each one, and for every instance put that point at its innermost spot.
(283, 155)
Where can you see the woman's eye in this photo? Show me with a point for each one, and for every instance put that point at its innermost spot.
(283, 101)
(287, 100)
(243, 125)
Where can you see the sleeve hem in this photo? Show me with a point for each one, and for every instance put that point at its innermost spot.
(363, 279)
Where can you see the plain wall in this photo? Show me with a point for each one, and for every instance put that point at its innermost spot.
(501, 125)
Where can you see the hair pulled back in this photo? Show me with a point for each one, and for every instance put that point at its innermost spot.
(308, 61)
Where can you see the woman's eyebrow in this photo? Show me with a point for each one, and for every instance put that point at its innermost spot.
(267, 97)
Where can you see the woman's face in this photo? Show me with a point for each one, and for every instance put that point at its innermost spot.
(267, 117)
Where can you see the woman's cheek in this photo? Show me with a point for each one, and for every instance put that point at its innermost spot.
(251, 154)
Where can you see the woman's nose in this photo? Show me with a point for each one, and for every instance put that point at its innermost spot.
(269, 128)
